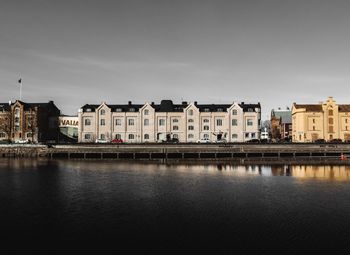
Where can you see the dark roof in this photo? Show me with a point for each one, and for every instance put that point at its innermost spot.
(169, 106)
(4, 107)
(344, 108)
(309, 107)
(284, 115)
(27, 106)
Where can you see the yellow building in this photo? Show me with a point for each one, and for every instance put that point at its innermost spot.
(326, 121)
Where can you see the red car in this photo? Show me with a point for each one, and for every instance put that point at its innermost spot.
(117, 141)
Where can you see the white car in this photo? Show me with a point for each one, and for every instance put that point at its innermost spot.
(101, 141)
(23, 141)
(204, 140)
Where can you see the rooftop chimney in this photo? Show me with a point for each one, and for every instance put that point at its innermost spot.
(129, 102)
(184, 103)
(195, 102)
(152, 103)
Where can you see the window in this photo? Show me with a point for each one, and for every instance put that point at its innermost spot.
(175, 120)
(330, 128)
(346, 128)
(2, 135)
(313, 121)
(191, 120)
(118, 110)
(161, 122)
(330, 121)
(206, 121)
(175, 127)
(87, 136)
(146, 136)
(206, 109)
(131, 122)
(131, 109)
(17, 111)
(234, 112)
(220, 110)
(249, 122)
(330, 112)
(146, 112)
(206, 127)
(219, 122)
(118, 122)
(206, 136)
(253, 135)
(250, 110)
(146, 122)
(29, 135)
(102, 112)
(87, 122)
(234, 136)
(118, 136)
(88, 110)
(313, 128)
(103, 136)
(103, 122)
(246, 135)
(190, 136)
(234, 122)
(346, 120)
(190, 127)
(131, 137)
(176, 136)
(190, 112)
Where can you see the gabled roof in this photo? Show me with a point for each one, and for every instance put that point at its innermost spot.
(169, 106)
(309, 107)
(284, 115)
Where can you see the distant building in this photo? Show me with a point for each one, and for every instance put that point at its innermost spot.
(281, 124)
(151, 122)
(327, 120)
(68, 126)
(36, 122)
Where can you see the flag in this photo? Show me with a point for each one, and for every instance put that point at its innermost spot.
(20, 80)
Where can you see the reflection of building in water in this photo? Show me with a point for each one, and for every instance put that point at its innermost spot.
(327, 172)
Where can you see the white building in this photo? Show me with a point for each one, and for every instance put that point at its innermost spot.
(189, 122)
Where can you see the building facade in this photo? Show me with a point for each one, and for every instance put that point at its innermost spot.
(327, 121)
(189, 122)
(281, 124)
(35, 122)
(68, 126)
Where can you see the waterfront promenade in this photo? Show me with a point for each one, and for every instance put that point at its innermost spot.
(176, 151)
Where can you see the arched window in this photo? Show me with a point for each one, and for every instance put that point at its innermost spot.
(205, 120)
(175, 120)
(146, 136)
(175, 127)
(146, 122)
(87, 122)
(131, 137)
(118, 136)
(190, 112)
(190, 120)
(190, 127)
(206, 127)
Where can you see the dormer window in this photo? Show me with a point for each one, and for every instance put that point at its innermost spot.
(220, 110)
(250, 110)
(88, 110)
(131, 109)
(206, 109)
(118, 109)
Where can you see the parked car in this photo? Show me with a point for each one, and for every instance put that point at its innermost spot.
(101, 140)
(171, 140)
(221, 141)
(336, 141)
(22, 141)
(320, 141)
(117, 141)
(204, 140)
(253, 141)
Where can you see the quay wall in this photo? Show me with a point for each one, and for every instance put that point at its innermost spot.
(175, 151)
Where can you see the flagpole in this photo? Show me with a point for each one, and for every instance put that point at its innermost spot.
(20, 91)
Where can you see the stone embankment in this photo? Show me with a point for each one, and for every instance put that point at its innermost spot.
(176, 151)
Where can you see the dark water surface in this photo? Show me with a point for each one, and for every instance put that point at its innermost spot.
(100, 204)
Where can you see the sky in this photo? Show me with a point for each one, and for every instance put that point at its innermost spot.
(75, 52)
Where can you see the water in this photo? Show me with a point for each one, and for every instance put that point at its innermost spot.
(99, 204)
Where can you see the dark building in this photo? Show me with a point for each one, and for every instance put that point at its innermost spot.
(35, 122)
(281, 124)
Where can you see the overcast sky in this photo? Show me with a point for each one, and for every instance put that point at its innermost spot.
(272, 52)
